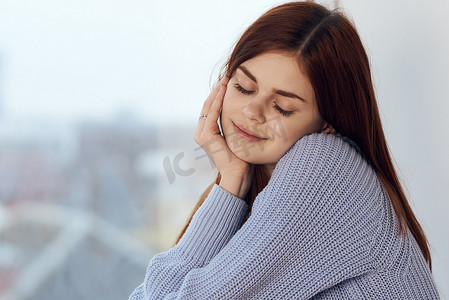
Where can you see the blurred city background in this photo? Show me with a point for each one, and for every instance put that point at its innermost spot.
(99, 102)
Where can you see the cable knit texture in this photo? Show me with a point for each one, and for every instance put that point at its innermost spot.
(323, 228)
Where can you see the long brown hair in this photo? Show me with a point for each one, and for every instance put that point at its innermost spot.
(329, 50)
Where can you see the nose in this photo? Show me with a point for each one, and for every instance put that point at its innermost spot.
(254, 111)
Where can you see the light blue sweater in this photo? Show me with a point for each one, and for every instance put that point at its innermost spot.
(323, 227)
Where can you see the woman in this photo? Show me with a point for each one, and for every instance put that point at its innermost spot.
(306, 203)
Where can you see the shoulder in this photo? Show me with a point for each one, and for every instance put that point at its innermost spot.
(327, 173)
(325, 176)
(322, 151)
(322, 143)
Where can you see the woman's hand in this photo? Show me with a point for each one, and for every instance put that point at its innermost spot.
(236, 174)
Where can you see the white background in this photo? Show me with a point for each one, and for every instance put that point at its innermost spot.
(95, 59)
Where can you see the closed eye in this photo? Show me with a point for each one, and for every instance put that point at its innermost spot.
(277, 107)
(282, 111)
(242, 90)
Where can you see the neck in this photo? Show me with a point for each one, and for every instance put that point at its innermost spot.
(269, 168)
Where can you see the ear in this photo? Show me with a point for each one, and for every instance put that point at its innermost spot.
(327, 128)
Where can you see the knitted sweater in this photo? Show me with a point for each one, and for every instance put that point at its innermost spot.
(322, 228)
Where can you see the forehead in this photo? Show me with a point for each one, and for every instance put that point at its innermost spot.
(278, 71)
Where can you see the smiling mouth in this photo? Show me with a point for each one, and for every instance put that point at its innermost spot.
(246, 136)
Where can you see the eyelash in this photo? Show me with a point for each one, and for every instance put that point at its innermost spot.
(277, 107)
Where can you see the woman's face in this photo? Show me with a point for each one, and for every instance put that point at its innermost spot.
(269, 97)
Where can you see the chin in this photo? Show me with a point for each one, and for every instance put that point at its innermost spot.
(251, 158)
(246, 158)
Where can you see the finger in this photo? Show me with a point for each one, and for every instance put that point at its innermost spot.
(207, 107)
(212, 118)
(200, 126)
(218, 101)
(208, 102)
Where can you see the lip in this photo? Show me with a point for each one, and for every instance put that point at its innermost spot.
(246, 134)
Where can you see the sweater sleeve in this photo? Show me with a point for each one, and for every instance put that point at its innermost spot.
(312, 227)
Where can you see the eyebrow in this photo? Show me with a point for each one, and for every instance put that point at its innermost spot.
(276, 91)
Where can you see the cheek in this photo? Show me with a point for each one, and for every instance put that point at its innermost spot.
(290, 134)
(231, 104)
(316, 121)
(295, 129)
(225, 107)
(301, 127)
